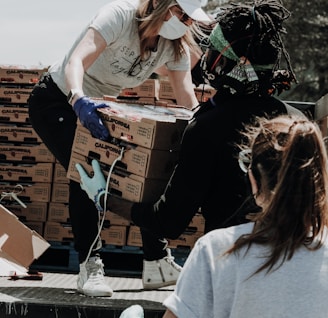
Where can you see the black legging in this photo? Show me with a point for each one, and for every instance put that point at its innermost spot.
(55, 122)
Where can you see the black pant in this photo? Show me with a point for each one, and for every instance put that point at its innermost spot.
(55, 122)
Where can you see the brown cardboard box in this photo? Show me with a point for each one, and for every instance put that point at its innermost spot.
(59, 232)
(20, 75)
(12, 114)
(197, 223)
(19, 245)
(156, 164)
(37, 226)
(14, 133)
(14, 95)
(114, 235)
(134, 236)
(26, 152)
(34, 211)
(128, 186)
(58, 212)
(152, 127)
(37, 172)
(186, 239)
(166, 90)
(148, 88)
(60, 174)
(28, 191)
(60, 192)
(115, 219)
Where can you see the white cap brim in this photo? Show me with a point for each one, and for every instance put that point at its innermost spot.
(194, 10)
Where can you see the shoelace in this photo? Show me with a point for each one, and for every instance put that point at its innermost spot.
(170, 259)
(96, 268)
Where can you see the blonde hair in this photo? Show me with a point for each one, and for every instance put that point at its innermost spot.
(150, 21)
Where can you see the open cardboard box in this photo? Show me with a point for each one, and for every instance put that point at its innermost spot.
(19, 245)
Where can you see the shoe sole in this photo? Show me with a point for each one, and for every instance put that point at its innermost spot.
(93, 294)
(159, 285)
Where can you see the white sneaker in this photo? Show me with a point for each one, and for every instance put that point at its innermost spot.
(160, 273)
(91, 281)
(134, 311)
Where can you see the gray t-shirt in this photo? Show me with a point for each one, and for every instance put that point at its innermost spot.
(119, 65)
(217, 286)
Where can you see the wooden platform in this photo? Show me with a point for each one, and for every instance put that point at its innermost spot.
(55, 296)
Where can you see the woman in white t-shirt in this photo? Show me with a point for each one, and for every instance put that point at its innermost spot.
(276, 265)
(122, 45)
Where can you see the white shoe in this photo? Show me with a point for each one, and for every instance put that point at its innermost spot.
(160, 273)
(134, 311)
(91, 281)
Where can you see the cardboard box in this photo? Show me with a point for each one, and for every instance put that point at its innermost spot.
(186, 239)
(34, 211)
(58, 212)
(36, 226)
(114, 235)
(60, 174)
(197, 224)
(58, 232)
(26, 152)
(19, 245)
(14, 133)
(126, 185)
(38, 172)
(115, 219)
(148, 163)
(149, 88)
(27, 191)
(11, 114)
(166, 90)
(152, 127)
(134, 236)
(14, 95)
(21, 75)
(60, 192)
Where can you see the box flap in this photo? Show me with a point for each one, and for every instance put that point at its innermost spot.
(18, 243)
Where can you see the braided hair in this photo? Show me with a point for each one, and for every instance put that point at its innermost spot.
(253, 31)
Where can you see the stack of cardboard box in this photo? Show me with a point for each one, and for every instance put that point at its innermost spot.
(26, 165)
(25, 173)
(149, 138)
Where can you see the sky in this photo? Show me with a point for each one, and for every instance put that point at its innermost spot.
(39, 32)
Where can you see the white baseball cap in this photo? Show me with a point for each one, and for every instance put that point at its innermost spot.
(194, 9)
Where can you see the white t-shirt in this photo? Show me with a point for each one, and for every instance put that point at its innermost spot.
(214, 286)
(117, 23)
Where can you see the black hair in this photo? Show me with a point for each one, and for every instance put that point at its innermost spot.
(254, 31)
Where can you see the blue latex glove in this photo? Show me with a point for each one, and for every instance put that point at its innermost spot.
(86, 110)
(95, 187)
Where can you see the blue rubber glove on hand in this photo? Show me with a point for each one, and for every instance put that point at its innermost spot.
(86, 110)
(95, 187)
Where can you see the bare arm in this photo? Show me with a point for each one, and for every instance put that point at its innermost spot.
(183, 88)
(87, 51)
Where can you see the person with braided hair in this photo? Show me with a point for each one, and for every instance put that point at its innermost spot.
(274, 266)
(242, 61)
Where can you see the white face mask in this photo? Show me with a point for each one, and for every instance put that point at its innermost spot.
(173, 29)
